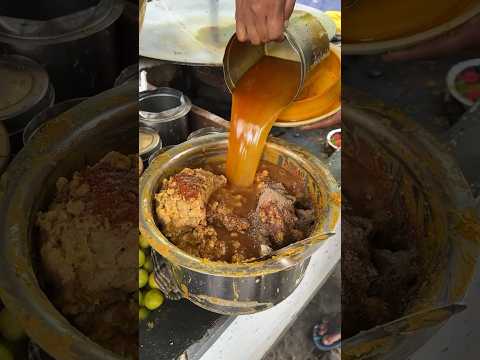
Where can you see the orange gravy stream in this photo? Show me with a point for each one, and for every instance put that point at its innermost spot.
(262, 93)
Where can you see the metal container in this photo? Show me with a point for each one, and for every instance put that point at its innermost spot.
(374, 47)
(236, 289)
(306, 42)
(165, 110)
(389, 162)
(148, 142)
(78, 46)
(80, 136)
(44, 116)
(206, 131)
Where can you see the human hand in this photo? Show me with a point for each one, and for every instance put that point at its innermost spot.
(333, 120)
(465, 37)
(261, 21)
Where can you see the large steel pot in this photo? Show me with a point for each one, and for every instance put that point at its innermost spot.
(77, 47)
(78, 137)
(249, 287)
(391, 164)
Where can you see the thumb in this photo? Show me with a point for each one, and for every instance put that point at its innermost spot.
(289, 6)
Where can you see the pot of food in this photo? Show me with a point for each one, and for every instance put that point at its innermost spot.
(408, 224)
(66, 145)
(212, 264)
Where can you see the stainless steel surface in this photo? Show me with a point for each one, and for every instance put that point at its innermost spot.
(307, 43)
(165, 110)
(239, 288)
(154, 146)
(199, 31)
(78, 49)
(25, 91)
(47, 114)
(206, 131)
(82, 135)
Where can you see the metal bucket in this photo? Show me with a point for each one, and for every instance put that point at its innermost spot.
(307, 42)
(403, 169)
(236, 289)
(165, 110)
(80, 136)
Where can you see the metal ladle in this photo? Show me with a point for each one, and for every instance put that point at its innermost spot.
(287, 249)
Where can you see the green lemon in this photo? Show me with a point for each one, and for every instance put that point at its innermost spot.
(152, 282)
(5, 354)
(148, 265)
(153, 299)
(143, 313)
(142, 278)
(141, 258)
(143, 242)
(10, 328)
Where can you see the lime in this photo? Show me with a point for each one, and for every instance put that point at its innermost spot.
(142, 278)
(143, 242)
(153, 299)
(10, 327)
(152, 282)
(148, 265)
(5, 353)
(143, 313)
(140, 298)
(141, 258)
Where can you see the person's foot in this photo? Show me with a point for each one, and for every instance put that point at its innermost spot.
(326, 337)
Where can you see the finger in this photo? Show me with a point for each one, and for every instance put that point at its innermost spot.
(241, 31)
(262, 29)
(276, 22)
(252, 33)
(240, 28)
(333, 120)
(289, 6)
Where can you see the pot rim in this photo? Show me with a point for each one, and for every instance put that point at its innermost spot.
(176, 113)
(399, 43)
(149, 229)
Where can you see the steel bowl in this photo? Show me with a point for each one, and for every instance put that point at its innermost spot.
(67, 143)
(243, 288)
(165, 110)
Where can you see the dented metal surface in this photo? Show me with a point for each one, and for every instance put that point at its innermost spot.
(246, 287)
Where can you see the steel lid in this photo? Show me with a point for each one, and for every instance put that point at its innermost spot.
(24, 84)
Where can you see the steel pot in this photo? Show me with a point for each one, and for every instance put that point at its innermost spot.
(77, 47)
(388, 162)
(165, 110)
(81, 135)
(236, 289)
